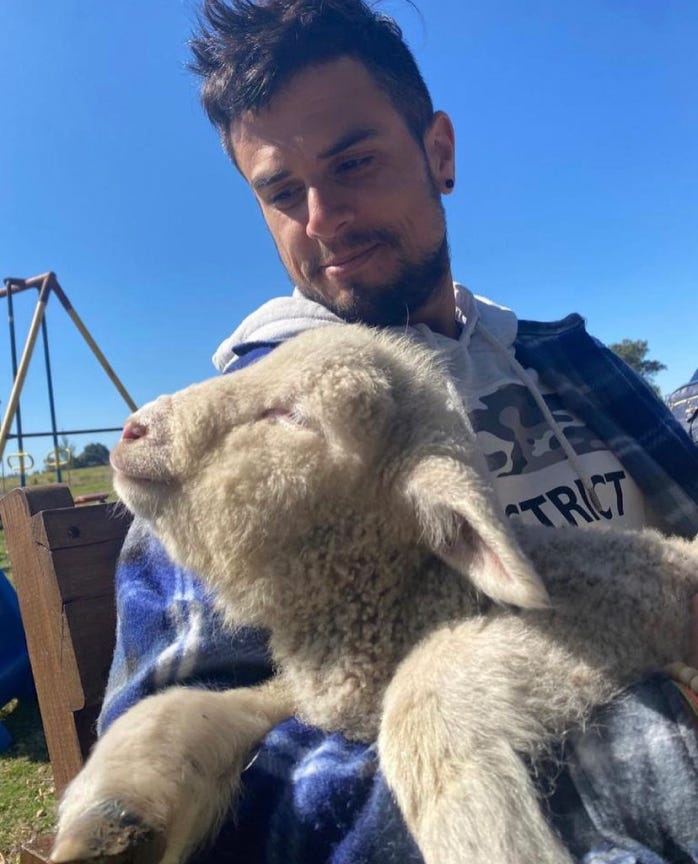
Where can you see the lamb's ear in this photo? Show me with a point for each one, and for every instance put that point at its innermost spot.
(464, 525)
(350, 402)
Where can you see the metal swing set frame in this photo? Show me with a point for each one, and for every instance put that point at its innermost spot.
(46, 284)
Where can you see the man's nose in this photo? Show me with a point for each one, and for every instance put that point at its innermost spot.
(328, 214)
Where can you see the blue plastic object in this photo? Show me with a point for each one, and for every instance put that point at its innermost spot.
(15, 672)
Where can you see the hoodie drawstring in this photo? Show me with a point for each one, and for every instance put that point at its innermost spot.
(567, 448)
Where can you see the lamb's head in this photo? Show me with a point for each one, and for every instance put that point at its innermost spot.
(341, 426)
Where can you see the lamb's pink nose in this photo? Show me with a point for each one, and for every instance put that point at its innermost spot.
(133, 430)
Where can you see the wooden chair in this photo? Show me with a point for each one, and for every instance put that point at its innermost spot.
(63, 559)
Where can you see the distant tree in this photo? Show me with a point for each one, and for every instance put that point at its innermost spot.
(93, 454)
(634, 352)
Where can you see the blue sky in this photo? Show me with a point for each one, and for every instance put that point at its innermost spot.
(577, 131)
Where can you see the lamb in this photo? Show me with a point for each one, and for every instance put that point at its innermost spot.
(354, 520)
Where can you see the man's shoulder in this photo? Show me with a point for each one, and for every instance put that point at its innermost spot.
(249, 355)
(273, 322)
(530, 330)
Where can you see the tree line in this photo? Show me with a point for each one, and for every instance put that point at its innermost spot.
(634, 352)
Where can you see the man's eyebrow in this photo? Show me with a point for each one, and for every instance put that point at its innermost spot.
(269, 180)
(355, 136)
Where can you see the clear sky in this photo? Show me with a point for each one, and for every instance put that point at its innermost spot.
(577, 132)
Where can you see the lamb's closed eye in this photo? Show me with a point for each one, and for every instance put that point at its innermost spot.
(292, 414)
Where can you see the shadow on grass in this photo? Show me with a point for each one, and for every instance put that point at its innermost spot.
(27, 800)
(22, 720)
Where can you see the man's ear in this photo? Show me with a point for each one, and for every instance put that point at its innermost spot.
(463, 524)
(440, 149)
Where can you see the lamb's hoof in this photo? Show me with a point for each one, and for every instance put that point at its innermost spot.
(109, 833)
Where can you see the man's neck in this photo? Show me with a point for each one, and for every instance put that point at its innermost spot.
(439, 314)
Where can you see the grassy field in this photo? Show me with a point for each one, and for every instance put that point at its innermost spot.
(26, 786)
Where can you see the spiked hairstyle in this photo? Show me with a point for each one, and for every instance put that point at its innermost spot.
(246, 51)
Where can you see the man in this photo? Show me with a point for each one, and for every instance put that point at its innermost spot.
(322, 108)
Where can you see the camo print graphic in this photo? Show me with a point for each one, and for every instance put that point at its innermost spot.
(515, 437)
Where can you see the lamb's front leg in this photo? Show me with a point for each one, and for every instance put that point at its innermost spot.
(459, 714)
(162, 777)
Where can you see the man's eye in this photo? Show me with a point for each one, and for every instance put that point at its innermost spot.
(285, 197)
(350, 165)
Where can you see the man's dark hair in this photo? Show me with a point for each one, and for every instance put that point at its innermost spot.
(246, 51)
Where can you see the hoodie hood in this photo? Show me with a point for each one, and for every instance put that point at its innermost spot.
(284, 317)
(275, 321)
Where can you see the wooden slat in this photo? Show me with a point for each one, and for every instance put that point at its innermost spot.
(81, 526)
(63, 560)
(87, 650)
(37, 851)
(41, 608)
(84, 571)
(36, 498)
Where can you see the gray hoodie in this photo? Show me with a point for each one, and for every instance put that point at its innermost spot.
(547, 467)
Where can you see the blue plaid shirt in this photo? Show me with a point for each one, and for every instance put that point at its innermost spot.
(313, 798)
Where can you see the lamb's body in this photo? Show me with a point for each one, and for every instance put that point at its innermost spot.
(354, 523)
(340, 648)
(383, 603)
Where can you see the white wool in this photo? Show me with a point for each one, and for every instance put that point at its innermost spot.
(351, 515)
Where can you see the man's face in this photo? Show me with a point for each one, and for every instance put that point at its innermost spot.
(351, 199)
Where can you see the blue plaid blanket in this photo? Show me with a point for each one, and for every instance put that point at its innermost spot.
(628, 796)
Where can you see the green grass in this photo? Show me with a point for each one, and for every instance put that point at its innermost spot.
(27, 803)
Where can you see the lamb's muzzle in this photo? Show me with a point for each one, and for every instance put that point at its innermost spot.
(133, 430)
(144, 451)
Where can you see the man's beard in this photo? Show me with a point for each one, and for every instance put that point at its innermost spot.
(396, 302)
